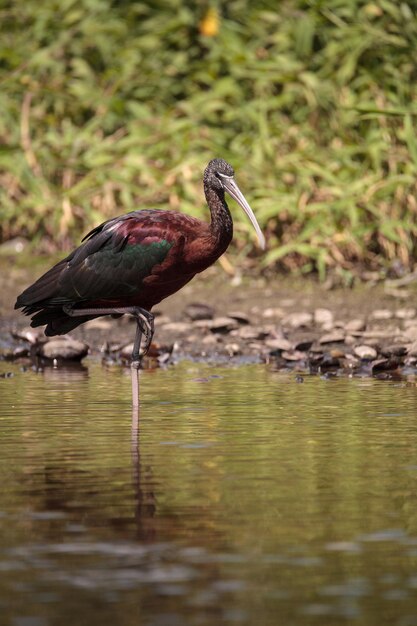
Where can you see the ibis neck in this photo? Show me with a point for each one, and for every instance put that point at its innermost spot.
(221, 225)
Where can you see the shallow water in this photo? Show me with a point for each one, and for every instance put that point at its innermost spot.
(245, 498)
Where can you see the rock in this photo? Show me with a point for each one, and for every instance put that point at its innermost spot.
(295, 355)
(273, 312)
(251, 333)
(278, 344)
(329, 362)
(335, 353)
(405, 314)
(162, 319)
(381, 314)
(177, 327)
(233, 349)
(411, 333)
(297, 320)
(394, 350)
(327, 327)
(336, 336)
(210, 340)
(355, 326)
(400, 294)
(410, 323)
(240, 317)
(198, 311)
(412, 349)
(366, 353)
(30, 335)
(304, 345)
(202, 324)
(63, 348)
(10, 354)
(383, 365)
(323, 316)
(386, 333)
(223, 325)
(13, 246)
(126, 350)
(100, 323)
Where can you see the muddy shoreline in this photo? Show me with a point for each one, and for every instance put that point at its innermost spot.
(294, 324)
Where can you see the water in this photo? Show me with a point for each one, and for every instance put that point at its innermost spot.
(245, 498)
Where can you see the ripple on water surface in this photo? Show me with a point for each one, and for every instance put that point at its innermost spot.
(244, 497)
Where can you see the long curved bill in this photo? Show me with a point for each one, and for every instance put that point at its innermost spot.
(231, 187)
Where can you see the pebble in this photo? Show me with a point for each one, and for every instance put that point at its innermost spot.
(295, 355)
(63, 348)
(210, 340)
(161, 319)
(251, 332)
(323, 316)
(365, 352)
(410, 323)
(177, 327)
(126, 350)
(381, 314)
(355, 326)
(13, 246)
(198, 311)
(329, 362)
(327, 326)
(100, 323)
(223, 325)
(405, 314)
(412, 349)
(240, 317)
(335, 353)
(233, 349)
(411, 333)
(29, 334)
(297, 320)
(383, 365)
(336, 336)
(394, 350)
(10, 354)
(273, 312)
(387, 333)
(304, 345)
(278, 344)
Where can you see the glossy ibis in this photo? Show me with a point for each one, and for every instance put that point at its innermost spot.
(132, 262)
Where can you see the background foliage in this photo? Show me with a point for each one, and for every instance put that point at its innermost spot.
(107, 106)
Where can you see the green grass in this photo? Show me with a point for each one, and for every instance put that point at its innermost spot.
(110, 106)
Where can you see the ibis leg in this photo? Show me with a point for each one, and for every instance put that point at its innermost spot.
(135, 365)
(144, 320)
(144, 326)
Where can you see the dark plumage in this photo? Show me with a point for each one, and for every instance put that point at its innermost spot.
(130, 263)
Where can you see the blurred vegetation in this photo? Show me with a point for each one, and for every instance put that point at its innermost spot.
(110, 105)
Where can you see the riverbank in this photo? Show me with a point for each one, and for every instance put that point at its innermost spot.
(291, 323)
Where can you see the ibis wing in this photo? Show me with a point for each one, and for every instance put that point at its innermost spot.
(112, 263)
